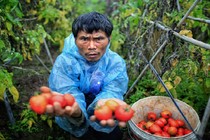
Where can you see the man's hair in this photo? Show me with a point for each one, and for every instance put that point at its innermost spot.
(90, 22)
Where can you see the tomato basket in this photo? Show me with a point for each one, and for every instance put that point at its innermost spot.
(157, 104)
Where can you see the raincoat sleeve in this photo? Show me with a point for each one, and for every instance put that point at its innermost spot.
(115, 86)
(64, 78)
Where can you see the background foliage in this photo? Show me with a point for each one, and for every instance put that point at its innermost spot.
(29, 26)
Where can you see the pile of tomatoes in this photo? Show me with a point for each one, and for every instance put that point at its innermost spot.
(165, 125)
(111, 109)
(39, 102)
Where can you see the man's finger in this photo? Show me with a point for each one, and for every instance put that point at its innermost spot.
(93, 118)
(103, 122)
(122, 124)
(111, 122)
(58, 110)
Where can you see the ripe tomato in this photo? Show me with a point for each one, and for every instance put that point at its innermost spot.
(45, 89)
(47, 96)
(180, 122)
(173, 122)
(163, 120)
(151, 116)
(159, 123)
(165, 134)
(124, 113)
(166, 114)
(112, 104)
(103, 112)
(187, 131)
(154, 128)
(172, 130)
(69, 99)
(38, 104)
(58, 98)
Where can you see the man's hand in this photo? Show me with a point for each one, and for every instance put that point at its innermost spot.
(110, 122)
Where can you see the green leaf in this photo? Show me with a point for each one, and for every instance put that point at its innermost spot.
(2, 45)
(14, 93)
(2, 90)
(50, 122)
(9, 26)
(19, 13)
(207, 82)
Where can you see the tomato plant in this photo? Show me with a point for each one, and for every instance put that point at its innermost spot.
(124, 113)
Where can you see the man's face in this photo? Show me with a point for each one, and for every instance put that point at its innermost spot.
(92, 46)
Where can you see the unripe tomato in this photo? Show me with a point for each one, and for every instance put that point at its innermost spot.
(112, 104)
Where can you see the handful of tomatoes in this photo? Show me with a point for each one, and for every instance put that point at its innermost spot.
(39, 102)
(111, 109)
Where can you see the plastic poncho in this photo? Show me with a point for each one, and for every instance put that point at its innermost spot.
(72, 73)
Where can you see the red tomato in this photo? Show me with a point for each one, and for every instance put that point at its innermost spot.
(69, 99)
(45, 89)
(154, 128)
(180, 123)
(151, 116)
(165, 128)
(38, 104)
(163, 120)
(166, 114)
(124, 113)
(187, 131)
(165, 134)
(159, 123)
(173, 122)
(172, 130)
(141, 125)
(47, 96)
(103, 112)
(58, 98)
(180, 132)
(112, 104)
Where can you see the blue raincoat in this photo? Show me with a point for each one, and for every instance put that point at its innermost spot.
(72, 73)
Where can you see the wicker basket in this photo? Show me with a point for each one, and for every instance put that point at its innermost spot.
(157, 104)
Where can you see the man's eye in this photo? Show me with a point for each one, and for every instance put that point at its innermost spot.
(84, 38)
(99, 39)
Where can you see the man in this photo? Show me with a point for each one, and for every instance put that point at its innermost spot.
(92, 73)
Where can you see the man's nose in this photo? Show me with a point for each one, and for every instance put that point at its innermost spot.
(92, 45)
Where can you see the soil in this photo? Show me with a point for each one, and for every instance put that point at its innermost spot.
(28, 77)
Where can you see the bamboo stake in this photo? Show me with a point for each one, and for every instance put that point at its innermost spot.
(204, 120)
(145, 68)
(188, 12)
(48, 52)
(42, 63)
(199, 19)
(188, 39)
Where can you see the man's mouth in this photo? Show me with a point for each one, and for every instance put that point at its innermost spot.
(92, 55)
